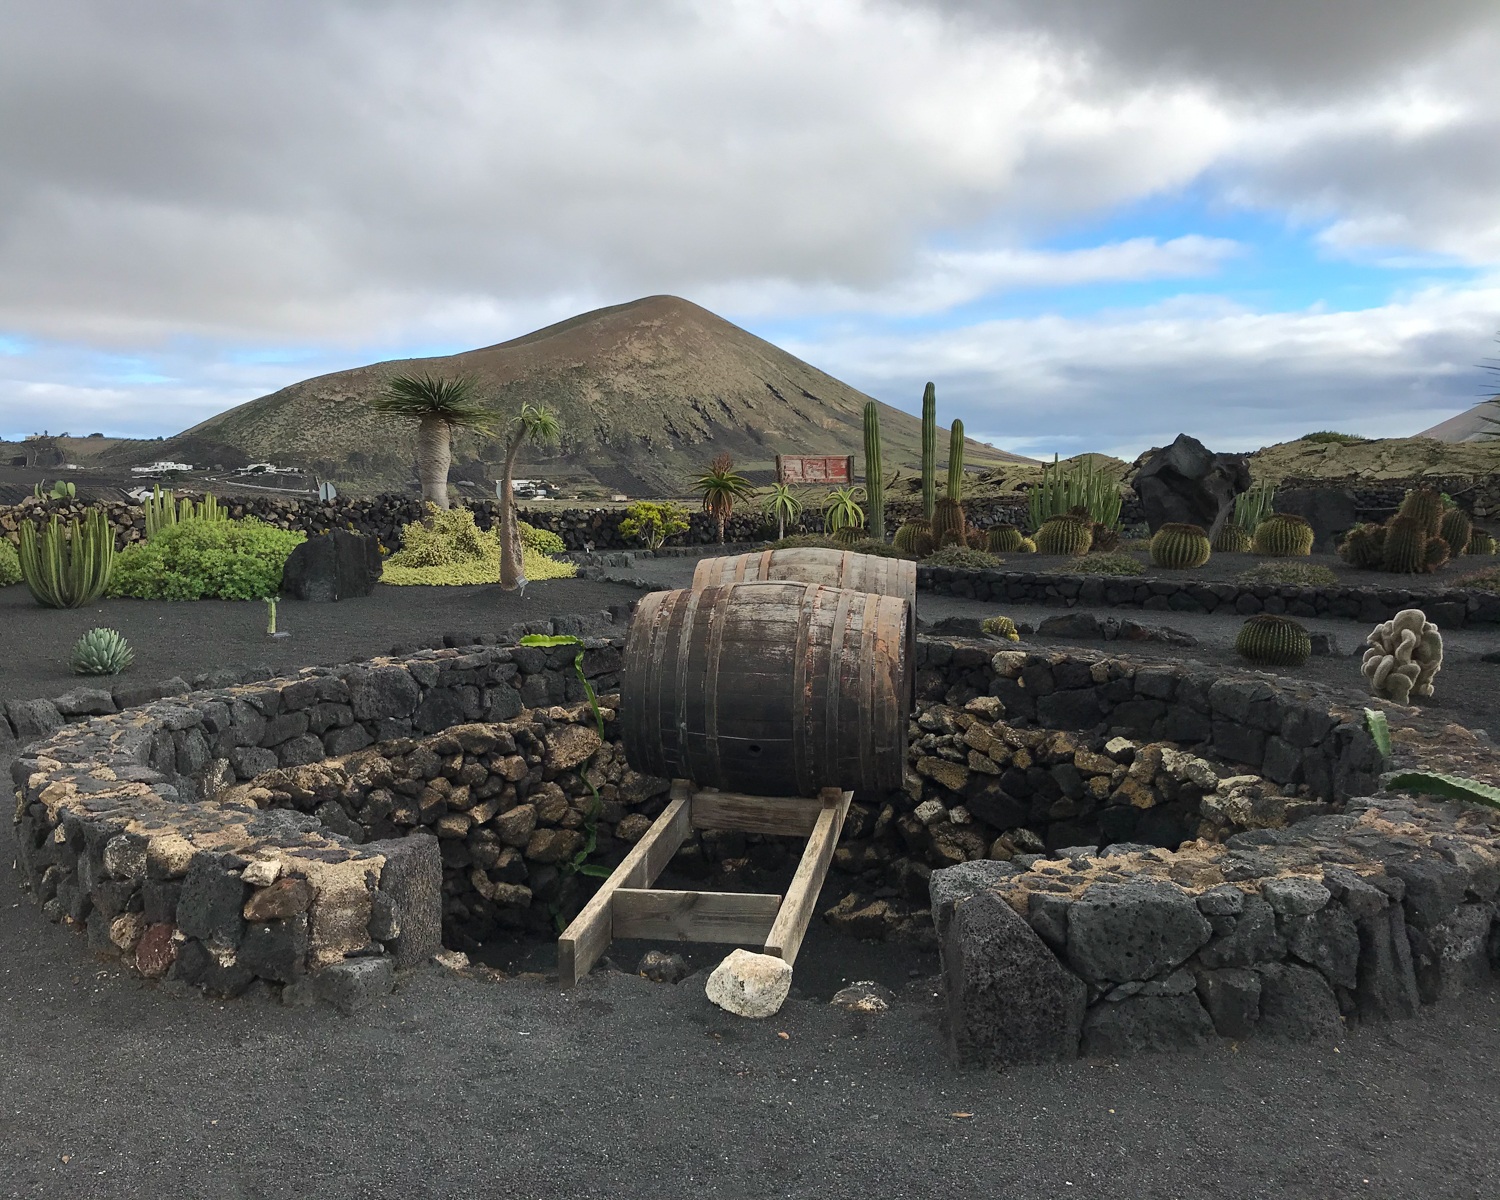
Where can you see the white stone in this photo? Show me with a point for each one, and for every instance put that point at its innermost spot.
(960, 815)
(454, 960)
(930, 812)
(1118, 745)
(750, 985)
(262, 873)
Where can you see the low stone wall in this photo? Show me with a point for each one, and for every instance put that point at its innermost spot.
(1449, 609)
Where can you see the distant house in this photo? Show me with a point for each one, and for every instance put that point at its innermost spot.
(161, 468)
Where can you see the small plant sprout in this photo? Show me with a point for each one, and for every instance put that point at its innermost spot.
(271, 618)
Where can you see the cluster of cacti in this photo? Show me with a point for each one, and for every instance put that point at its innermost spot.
(874, 480)
(1412, 541)
(163, 510)
(1273, 641)
(1001, 627)
(1364, 546)
(1074, 485)
(1405, 654)
(948, 524)
(929, 451)
(1180, 547)
(1065, 534)
(1003, 538)
(101, 652)
(1480, 543)
(1283, 535)
(915, 538)
(1232, 539)
(1456, 529)
(1409, 548)
(65, 570)
(1424, 505)
(1252, 507)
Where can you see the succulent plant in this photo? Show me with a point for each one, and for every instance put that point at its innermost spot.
(1425, 505)
(847, 535)
(1273, 641)
(1364, 546)
(1409, 548)
(101, 652)
(1180, 547)
(956, 461)
(947, 519)
(977, 538)
(1001, 627)
(1232, 539)
(68, 571)
(1027, 546)
(1456, 529)
(874, 480)
(10, 563)
(1405, 655)
(1283, 535)
(929, 450)
(1004, 538)
(1104, 538)
(1480, 542)
(915, 537)
(1067, 534)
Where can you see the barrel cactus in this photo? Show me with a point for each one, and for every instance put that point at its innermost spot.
(1179, 546)
(1364, 546)
(1273, 641)
(1027, 546)
(1000, 627)
(1064, 535)
(947, 520)
(848, 535)
(1425, 505)
(1004, 538)
(1410, 549)
(1283, 535)
(101, 652)
(1232, 539)
(1456, 529)
(915, 538)
(977, 538)
(1480, 542)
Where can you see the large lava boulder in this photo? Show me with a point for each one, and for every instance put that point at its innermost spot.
(1186, 482)
(1330, 511)
(336, 565)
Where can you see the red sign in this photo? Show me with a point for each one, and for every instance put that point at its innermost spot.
(815, 468)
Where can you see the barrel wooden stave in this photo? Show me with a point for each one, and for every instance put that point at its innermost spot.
(768, 688)
(815, 564)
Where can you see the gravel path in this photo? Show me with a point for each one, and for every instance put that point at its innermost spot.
(458, 1086)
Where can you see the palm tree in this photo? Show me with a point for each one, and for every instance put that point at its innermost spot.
(783, 504)
(534, 423)
(439, 407)
(721, 487)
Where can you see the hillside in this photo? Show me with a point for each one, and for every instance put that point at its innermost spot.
(1476, 425)
(647, 393)
(1381, 458)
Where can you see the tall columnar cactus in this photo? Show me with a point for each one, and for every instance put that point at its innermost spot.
(929, 450)
(874, 480)
(68, 571)
(956, 462)
(1066, 534)
(1456, 529)
(1274, 641)
(1180, 547)
(1283, 535)
(1426, 506)
(1410, 549)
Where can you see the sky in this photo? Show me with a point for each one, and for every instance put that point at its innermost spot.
(1091, 226)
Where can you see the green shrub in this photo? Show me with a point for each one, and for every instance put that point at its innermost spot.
(543, 541)
(801, 541)
(1103, 564)
(1299, 574)
(10, 563)
(206, 560)
(963, 558)
(448, 549)
(1324, 436)
(652, 523)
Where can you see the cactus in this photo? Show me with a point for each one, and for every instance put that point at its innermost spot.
(101, 652)
(1180, 547)
(1447, 787)
(1410, 549)
(956, 461)
(1105, 538)
(929, 451)
(1253, 506)
(848, 535)
(1283, 535)
(1074, 485)
(913, 536)
(977, 538)
(874, 480)
(1000, 627)
(67, 571)
(1426, 506)
(1480, 542)
(1232, 539)
(1273, 641)
(1456, 529)
(1064, 535)
(1364, 546)
(947, 519)
(1404, 657)
(164, 509)
(1027, 546)
(1004, 538)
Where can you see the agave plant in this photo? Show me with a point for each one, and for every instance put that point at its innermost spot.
(101, 652)
(783, 505)
(843, 508)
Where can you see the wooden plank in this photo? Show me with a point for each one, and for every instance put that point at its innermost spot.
(589, 935)
(743, 918)
(793, 816)
(797, 909)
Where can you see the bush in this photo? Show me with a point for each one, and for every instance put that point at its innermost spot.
(1324, 436)
(963, 558)
(1113, 563)
(543, 541)
(652, 523)
(799, 541)
(448, 549)
(1487, 580)
(206, 560)
(1298, 574)
(10, 563)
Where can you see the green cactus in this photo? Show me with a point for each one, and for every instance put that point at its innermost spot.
(1426, 506)
(1064, 535)
(1004, 538)
(1480, 542)
(1273, 641)
(1068, 486)
(1232, 539)
(1283, 535)
(874, 480)
(65, 571)
(947, 520)
(1253, 506)
(163, 509)
(1180, 547)
(1364, 546)
(1456, 529)
(1027, 546)
(101, 652)
(1409, 548)
(956, 461)
(848, 535)
(929, 450)
(1000, 627)
(915, 538)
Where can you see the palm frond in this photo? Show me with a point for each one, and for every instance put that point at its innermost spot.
(453, 400)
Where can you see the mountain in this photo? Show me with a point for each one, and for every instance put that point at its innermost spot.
(1468, 426)
(647, 393)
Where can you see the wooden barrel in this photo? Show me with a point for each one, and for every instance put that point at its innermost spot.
(769, 688)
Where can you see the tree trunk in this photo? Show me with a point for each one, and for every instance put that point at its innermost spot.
(512, 570)
(434, 456)
(722, 515)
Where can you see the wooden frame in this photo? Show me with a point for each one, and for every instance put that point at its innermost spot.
(628, 906)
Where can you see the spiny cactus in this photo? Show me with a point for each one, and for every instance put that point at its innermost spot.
(1425, 505)
(1480, 542)
(1064, 535)
(1283, 535)
(874, 480)
(1105, 538)
(1410, 549)
(65, 571)
(162, 509)
(915, 537)
(1180, 547)
(929, 450)
(1000, 627)
(1456, 529)
(977, 538)
(947, 519)
(956, 461)
(1004, 538)
(101, 652)
(1027, 546)
(1274, 641)
(1364, 546)
(1232, 539)
(848, 535)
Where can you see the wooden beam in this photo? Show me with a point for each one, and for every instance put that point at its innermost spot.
(792, 816)
(797, 909)
(589, 935)
(743, 918)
